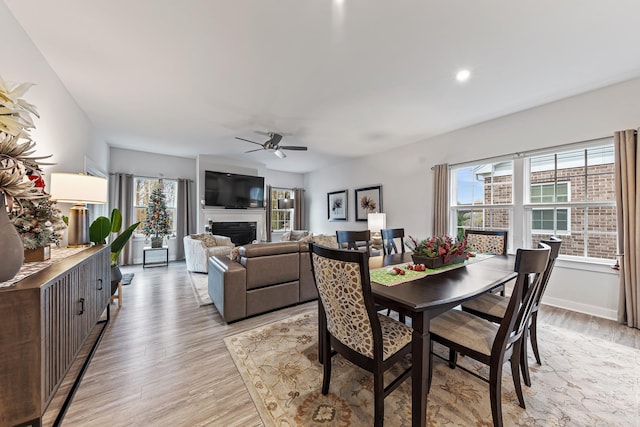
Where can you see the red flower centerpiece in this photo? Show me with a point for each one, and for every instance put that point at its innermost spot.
(437, 251)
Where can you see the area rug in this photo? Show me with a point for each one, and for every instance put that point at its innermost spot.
(127, 278)
(583, 381)
(200, 287)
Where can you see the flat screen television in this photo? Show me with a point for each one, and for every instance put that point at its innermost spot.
(233, 191)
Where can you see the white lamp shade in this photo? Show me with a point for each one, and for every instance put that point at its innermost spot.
(376, 222)
(78, 188)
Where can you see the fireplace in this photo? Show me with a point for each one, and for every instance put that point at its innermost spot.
(240, 233)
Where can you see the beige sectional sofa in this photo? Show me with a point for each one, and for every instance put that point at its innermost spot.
(263, 277)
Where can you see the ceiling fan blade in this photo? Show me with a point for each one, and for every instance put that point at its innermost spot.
(257, 149)
(253, 142)
(292, 147)
(280, 153)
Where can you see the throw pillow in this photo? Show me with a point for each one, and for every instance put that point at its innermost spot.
(235, 254)
(306, 239)
(286, 237)
(296, 235)
(324, 240)
(208, 240)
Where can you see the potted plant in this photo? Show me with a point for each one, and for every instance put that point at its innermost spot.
(437, 251)
(156, 224)
(102, 228)
(16, 162)
(39, 225)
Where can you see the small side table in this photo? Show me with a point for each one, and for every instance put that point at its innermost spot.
(155, 257)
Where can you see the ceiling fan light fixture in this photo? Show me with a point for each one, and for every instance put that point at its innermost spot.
(280, 153)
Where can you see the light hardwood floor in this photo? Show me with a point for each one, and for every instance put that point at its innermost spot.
(163, 362)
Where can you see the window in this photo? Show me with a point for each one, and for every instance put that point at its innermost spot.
(553, 221)
(569, 193)
(142, 191)
(482, 197)
(572, 194)
(281, 219)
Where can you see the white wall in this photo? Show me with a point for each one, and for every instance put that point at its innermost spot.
(63, 130)
(407, 180)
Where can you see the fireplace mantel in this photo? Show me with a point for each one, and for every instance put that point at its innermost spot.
(235, 215)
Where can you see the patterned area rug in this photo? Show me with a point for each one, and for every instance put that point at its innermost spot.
(583, 382)
(200, 287)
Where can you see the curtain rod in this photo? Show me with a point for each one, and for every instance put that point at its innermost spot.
(150, 177)
(529, 152)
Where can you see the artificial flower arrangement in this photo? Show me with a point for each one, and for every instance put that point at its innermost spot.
(443, 247)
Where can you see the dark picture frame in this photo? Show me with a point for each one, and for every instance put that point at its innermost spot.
(368, 200)
(337, 205)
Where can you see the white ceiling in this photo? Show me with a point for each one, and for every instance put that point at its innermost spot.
(343, 78)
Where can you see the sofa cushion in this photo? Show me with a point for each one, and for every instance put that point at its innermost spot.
(294, 235)
(264, 249)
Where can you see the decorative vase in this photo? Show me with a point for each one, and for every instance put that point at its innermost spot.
(39, 254)
(156, 242)
(11, 249)
(437, 262)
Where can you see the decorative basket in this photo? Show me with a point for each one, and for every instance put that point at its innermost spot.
(437, 262)
(39, 254)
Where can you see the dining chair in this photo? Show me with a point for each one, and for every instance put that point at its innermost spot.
(493, 307)
(354, 329)
(354, 240)
(492, 242)
(490, 343)
(487, 241)
(388, 243)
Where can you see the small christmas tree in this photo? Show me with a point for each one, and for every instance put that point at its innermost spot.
(39, 223)
(156, 224)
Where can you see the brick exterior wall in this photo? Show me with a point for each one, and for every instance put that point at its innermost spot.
(602, 222)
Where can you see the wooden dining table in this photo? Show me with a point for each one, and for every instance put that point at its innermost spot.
(425, 298)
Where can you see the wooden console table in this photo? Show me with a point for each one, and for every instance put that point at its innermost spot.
(45, 319)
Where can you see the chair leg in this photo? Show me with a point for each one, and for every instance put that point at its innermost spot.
(326, 365)
(524, 363)
(515, 373)
(495, 392)
(533, 332)
(453, 358)
(378, 397)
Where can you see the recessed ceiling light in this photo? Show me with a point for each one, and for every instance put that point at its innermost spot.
(463, 75)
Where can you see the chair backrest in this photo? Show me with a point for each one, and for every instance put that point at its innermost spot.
(554, 244)
(487, 241)
(388, 244)
(344, 287)
(350, 239)
(530, 265)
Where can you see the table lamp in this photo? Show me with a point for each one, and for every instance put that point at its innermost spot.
(78, 189)
(375, 223)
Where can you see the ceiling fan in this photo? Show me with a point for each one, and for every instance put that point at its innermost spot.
(272, 144)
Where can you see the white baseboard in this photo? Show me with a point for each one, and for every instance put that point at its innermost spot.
(592, 310)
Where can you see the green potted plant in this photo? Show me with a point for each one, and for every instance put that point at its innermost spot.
(102, 228)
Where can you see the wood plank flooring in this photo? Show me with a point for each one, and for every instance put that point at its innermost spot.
(163, 362)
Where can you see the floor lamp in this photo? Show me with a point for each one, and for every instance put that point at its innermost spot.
(286, 204)
(78, 189)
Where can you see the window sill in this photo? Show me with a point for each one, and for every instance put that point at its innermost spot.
(602, 266)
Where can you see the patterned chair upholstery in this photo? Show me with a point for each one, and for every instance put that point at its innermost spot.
(487, 241)
(350, 324)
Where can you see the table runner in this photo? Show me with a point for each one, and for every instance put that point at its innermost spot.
(383, 277)
(29, 268)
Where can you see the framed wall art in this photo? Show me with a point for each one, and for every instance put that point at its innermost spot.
(368, 200)
(337, 205)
